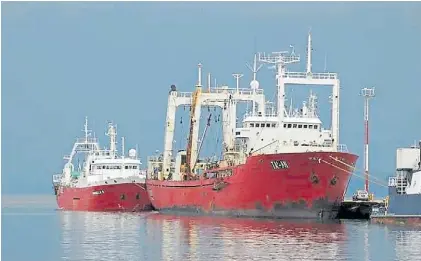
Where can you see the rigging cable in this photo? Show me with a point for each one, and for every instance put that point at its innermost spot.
(353, 174)
(354, 168)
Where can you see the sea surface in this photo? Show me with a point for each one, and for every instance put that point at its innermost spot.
(33, 230)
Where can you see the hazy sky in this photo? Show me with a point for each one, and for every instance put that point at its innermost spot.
(116, 61)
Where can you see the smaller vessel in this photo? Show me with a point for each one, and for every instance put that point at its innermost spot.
(105, 181)
(405, 186)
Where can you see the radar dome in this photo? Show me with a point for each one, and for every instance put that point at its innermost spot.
(254, 85)
(132, 153)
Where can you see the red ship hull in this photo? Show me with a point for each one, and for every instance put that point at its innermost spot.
(306, 185)
(126, 197)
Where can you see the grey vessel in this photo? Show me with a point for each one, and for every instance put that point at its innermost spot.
(405, 187)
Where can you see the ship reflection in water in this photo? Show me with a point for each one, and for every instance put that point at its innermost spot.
(152, 236)
(65, 235)
(213, 238)
(408, 242)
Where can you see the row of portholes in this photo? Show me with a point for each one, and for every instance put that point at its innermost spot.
(123, 196)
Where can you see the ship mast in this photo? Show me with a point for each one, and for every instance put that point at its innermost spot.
(112, 133)
(195, 103)
(309, 49)
(254, 84)
(87, 132)
(280, 60)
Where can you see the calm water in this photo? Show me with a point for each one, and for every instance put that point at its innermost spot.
(33, 230)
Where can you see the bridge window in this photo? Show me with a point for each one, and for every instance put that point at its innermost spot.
(285, 125)
(300, 126)
(257, 125)
(310, 126)
(294, 126)
(305, 126)
(315, 127)
(289, 126)
(273, 125)
(251, 124)
(268, 125)
(108, 167)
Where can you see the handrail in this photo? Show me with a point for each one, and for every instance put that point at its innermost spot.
(317, 76)
(392, 182)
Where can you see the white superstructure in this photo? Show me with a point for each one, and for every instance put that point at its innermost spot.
(266, 129)
(100, 166)
(408, 170)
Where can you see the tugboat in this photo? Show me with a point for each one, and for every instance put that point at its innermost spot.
(105, 181)
(280, 163)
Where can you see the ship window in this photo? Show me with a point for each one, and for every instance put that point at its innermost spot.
(300, 126)
(251, 124)
(310, 126)
(134, 167)
(237, 133)
(315, 127)
(268, 125)
(305, 126)
(107, 167)
(273, 125)
(126, 167)
(137, 196)
(285, 125)
(257, 124)
(294, 125)
(123, 197)
(289, 126)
